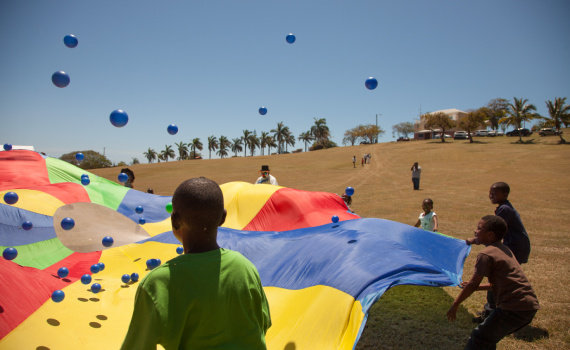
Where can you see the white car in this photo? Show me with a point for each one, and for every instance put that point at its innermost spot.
(460, 135)
(482, 133)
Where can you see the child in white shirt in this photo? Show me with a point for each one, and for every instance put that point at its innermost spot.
(427, 219)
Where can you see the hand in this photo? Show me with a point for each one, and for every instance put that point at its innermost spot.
(452, 312)
(471, 240)
(462, 284)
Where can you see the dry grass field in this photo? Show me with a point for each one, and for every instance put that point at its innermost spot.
(456, 176)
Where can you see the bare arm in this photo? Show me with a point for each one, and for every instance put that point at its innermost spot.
(468, 289)
(435, 223)
(418, 223)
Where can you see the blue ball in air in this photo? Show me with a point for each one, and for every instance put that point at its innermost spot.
(119, 118)
(70, 41)
(60, 79)
(335, 218)
(123, 177)
(172, 129)
(107, 241)
(180, 250)
(85, 181)
(95, 288)
(86, 279)
(262, 110)
(95, 268)
(79, 156)
(139, 209)
(349, 191)
(126, 278)
(63, 272)
(371, 83)
(57, 296)
(10, 253)
(7, 147)
(134, 277)
(290, 38)
(101, 266)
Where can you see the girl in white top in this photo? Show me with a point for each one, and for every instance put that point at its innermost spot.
(427, 219)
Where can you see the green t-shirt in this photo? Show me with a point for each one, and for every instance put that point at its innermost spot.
(211, 300)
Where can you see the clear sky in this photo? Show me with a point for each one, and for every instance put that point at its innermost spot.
(207, 66)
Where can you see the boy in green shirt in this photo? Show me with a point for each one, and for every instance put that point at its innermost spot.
(208, 297)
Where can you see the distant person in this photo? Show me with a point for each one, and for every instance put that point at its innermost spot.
(354, 161)
(516, 238)
(150, 190)
(516, 301)
(368, 158)
(266, 177)
(416, 173)
(131, 175)
(207, 298)
(347, 200)
(427, 219)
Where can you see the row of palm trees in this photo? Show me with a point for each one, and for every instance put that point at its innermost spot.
(280, 138)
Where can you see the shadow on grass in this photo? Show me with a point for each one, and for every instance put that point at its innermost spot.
(531, 333)
(414, 317)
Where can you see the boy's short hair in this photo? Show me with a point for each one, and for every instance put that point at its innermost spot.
(200, 201)
(428, 200)
(495, 224)
(502, 186)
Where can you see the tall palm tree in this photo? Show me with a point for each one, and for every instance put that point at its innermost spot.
(182, 150)
(212, 144)
(236, 145)
(320, 130)
(289, 140)
(306, 137)
(263, 139)
(224, 144)
(245, 138)
(196, 144)
(168, 152)
(558, 114)
(270, 143)
(253, 143)
(519, 112)
(150, 155)
(279, 135)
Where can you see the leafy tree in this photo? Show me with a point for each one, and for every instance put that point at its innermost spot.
(91, 160)
(150, 155)
(168, 152)
(306, 137)
(350, 136)
(182, 150)
(263, 140)
(224, 144)
(440, 121)
(320, 130)
(196, 144)
(496, 110)
(559, 114)
(280, 135)
(212, 144)
(519, 112)
(370, 132)
(403, 129)
(289, 140)
(135, 161)
(473, 120)
(236, 145)
(122, 163)
(245, 138)
(253, 143)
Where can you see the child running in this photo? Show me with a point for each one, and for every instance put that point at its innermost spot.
(427, 219)
(207, 298)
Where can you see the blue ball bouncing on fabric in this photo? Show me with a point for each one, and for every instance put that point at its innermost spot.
(262, 110)
(335, 219)
(85, 181)
(123, 177)
(101, 266)
(126, 278)
(179, 250)
(142, 221)
(95, 288)
(349, 191)
(152, 263)
(95, 268)
(7, 147)
(371, 83)
(134, 277)
(63, 272)
(108, 241)
(11, 198)
(57, 296)
(10, 253)
(86, 279)
(79, 156)
(290, 38)
(139, 209)
(172, 129)
(67, 224)
(27, 225)
(60, 79)
(119, 118)
(70, 41)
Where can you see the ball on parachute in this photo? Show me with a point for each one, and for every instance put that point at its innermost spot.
(67, 224)
(119, 118)
(134, 276)
(70, 41)
(335, 218)
(86, 279)
(126, 278)
(169, 207)
(63, 272)
(152, 263)
(95, 268)
(57, 296)
(101, 266)
(7, 147)
(11, 198)
(85, 181)
(10, 253)
(95, 288)
(27, 225)
(107, 241)
(60, 79)
(139, 209)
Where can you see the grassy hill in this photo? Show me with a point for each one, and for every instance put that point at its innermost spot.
(456, 176)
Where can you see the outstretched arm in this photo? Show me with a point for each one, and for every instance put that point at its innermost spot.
(418, 223)
(435, 223)
(467, 290)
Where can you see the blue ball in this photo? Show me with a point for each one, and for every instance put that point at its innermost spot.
(335, 218)
(180, 250)
(57, 296)
(79, 156)
(86, 279)
(95, 268)
(70, 41)
(262, 110)
(85, 181)
(371, 83)
(290, 38)
(84, 175)
(139, 209)
(349, 191)
(172, 129)
(27, 225)
(101, 266)
(134, 276)
(119, 118)
(7, 147)
(152, 263)
(126, 278)
(95, 288)
(67, 224)
(60, 79)
(11, 198)
(142, 221)
(123, 177)
(10, 253)
(63, 272)
(108, 241)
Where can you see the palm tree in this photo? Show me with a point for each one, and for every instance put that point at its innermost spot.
(559, 114)
(289, 139)
(212, 144)
(167, 153)
(306, 137)
(245, 139)
(196, 144)
(263, 139)
(150, 155)
(280, 134)
(182, 150)
(270, 143)
(224, 144)
(236, 145)
(519, 112)
(253, 143)
(320, 130)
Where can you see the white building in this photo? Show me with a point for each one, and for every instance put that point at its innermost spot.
(422, 133)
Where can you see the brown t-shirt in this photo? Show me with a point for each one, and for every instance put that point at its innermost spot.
(511, 288)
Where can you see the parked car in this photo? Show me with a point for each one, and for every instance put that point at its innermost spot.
(445, 136)
(519, 132)
(482, 133)
(365, 143)
(460, 135)
(548, 131)
(403, 139)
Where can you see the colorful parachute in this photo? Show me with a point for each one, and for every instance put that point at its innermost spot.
(320, 277)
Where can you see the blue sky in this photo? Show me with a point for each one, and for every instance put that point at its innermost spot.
(207, 66)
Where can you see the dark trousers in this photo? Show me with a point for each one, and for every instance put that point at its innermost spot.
(416, 181)
(498, 325)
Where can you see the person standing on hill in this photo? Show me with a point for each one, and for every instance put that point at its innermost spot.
(416, 172)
